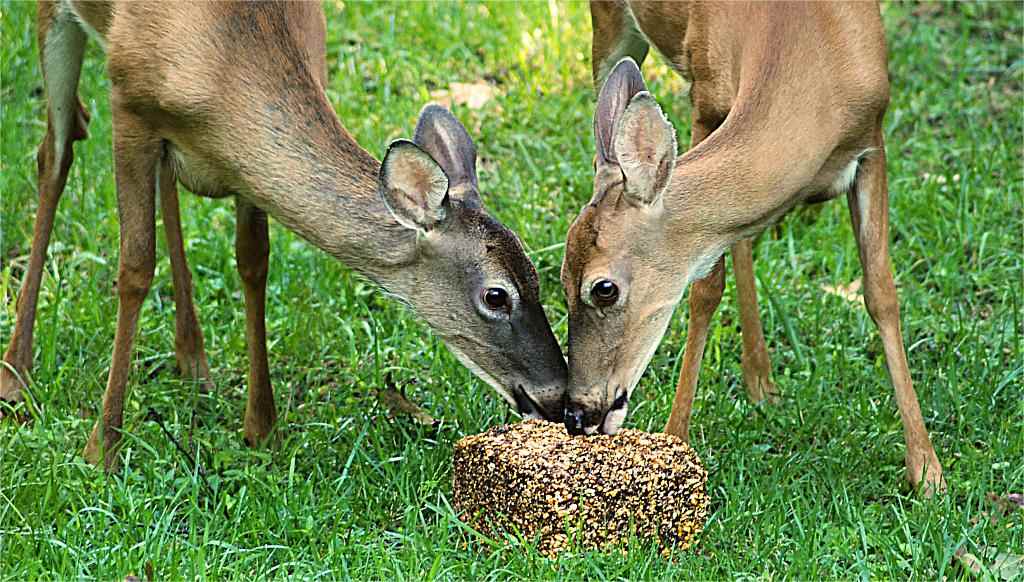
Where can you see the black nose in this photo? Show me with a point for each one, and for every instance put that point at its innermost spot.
(573, 419)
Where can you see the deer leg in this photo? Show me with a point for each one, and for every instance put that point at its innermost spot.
(757, 367)
(705, 295)
(869, 212)
(188, 336)
(252, 251)
(136, 162)
(61, 47)
(616, 36)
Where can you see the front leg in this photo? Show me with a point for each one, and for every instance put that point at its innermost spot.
(757, 368)
(705, 295)
(252, 253)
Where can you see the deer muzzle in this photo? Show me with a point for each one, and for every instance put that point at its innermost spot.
(580, 418)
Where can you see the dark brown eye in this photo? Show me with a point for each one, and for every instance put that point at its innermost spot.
(496, 298)
(604, 293)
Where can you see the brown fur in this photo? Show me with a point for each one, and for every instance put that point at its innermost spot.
(785, 97)
(228, 98)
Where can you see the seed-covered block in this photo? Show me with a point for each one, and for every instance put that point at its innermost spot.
(536, 480)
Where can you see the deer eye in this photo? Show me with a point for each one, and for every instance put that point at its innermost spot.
(604, 293)
(496, 298)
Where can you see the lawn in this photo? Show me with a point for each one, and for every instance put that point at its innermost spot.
(811, 488)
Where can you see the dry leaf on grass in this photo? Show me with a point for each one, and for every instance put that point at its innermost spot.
(995, 566)
(1004, 505)
(397, 404)
(969, 562)
(473, 95)
(849, 292)
(1016, 498)
(1008, 566)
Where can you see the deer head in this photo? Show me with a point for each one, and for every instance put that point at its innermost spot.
(621, 266)
(469, 277)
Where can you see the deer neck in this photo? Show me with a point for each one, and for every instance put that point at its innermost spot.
(304, 169)
(727, 188)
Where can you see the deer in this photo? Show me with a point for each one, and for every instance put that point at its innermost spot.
(228, 99)
(787, 102)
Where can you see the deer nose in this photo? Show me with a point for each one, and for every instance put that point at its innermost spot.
(573, 419)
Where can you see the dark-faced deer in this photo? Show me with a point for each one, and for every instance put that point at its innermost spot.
(787, 106)
(228, 99)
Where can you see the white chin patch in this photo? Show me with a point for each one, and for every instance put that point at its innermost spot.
(530, 416)
(614, 419)
(590, 429)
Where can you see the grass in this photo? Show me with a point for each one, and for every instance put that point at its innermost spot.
(811, 488)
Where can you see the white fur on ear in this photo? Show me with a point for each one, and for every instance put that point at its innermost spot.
(645, 145)
(413, 186)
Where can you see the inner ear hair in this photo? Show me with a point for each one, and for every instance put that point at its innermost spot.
(645, 145)
(413, 186)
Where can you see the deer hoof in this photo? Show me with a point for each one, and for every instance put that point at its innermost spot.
(925, 474)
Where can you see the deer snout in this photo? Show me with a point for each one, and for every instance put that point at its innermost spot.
(582, 419)
(573, 419)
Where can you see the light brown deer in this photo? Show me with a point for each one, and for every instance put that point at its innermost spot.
(787, 106)
(228, 99)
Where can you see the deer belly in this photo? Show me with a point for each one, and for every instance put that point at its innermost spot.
(200, 177)
(839, 183)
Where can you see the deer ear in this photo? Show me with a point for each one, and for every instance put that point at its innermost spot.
(441, 135)
(645, 145)
(622, 84)
(413, 186)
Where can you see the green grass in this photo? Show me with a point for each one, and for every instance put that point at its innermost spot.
(812, 488)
